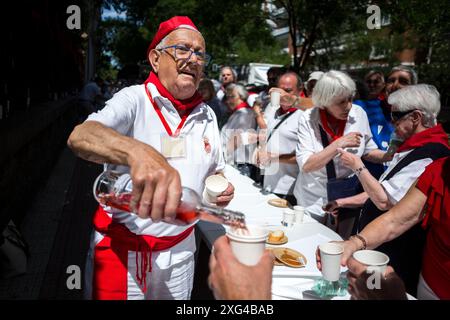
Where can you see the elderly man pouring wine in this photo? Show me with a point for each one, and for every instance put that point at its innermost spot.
(164, 136)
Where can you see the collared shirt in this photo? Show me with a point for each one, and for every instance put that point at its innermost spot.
(130, 113)
(397, 186)
(280, 177)
(310, 189)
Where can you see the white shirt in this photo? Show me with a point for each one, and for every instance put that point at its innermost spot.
(242, 120)
(220, 94)
(280, 177)
(397, 186)
(310, 189)
(130, 113)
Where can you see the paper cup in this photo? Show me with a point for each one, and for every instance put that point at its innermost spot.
(275, 99)
(248, 245)
(215, 185)
(330, 257)
(299, 213)
(374, 260)
(288, 218)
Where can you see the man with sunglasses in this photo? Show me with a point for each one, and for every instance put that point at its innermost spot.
(165, 137)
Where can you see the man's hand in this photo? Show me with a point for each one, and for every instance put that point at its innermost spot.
(156, 188)
(263, 158)
(286, 99)
(352, 139)
(225, 197)
(231, 280)
(391, 286)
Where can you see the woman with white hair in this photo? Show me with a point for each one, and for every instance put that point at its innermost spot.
(414, 112)
(234, 134)
(334, 123)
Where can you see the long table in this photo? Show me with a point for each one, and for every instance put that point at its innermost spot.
(288, 283)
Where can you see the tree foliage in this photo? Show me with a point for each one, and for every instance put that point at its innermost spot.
(235, 30)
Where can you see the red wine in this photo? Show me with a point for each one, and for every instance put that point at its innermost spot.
(121, 201)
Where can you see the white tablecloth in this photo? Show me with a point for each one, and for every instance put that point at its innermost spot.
(288, 283)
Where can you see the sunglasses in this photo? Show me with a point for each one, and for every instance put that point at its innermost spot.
(397, 115)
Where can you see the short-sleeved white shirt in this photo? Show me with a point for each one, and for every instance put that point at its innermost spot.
(310, 189)
(280, 177)
(398, 185)
(130, 113)
(242, 120)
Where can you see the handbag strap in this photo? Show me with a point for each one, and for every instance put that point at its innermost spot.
(279, 123)
(331, 171)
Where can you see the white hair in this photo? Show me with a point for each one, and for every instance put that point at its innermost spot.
(242, 92)
(422, 97)
(232, 71)
(331, 85)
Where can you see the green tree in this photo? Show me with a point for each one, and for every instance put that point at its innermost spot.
(318, 24)
(235, 30)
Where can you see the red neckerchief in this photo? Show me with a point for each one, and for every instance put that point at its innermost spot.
(281, 110)
(185, 105)
(326, 118)
(435, 134)
(241, 105)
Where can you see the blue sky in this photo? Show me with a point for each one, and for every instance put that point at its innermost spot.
(111, 13)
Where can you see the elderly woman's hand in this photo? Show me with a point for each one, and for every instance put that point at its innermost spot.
(350, 140)
(231, 280)
(349, 246)
(349, 159)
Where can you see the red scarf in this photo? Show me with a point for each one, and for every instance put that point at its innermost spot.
(326, 118)
(281, 110)
(241, 105)
(183, 105)
(435, 134)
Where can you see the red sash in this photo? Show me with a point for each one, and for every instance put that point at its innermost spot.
(111, 256)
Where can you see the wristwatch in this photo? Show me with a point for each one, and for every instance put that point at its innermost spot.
(358, 171)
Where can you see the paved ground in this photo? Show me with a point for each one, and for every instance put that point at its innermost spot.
(57, 227)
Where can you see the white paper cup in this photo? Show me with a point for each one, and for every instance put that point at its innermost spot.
(299, 214)
(275, 99)
(288, 218)
(215, 185)
(374, 260)
(248, 245)
(330, 257)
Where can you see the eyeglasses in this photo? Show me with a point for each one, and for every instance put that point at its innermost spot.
(397, 115)
(185, 53)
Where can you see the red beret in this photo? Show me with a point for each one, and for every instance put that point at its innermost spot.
(168, 26)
